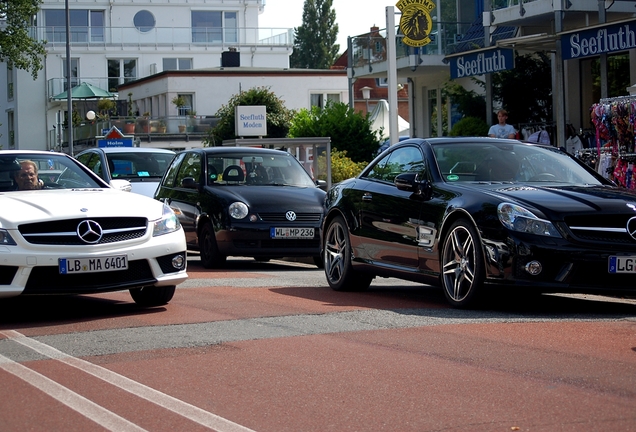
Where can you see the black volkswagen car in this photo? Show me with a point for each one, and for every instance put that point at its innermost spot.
(243, 201)
(474, 213)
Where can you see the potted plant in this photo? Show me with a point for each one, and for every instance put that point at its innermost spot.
(144, 122)
(179, 102)
(129, 127)
(162, 126)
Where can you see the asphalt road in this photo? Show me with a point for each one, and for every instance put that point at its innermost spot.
(269, 347)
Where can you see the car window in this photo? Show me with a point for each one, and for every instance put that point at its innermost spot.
(131, 166)
(399, 161)
(257, 169)
(54, 171)
(190, 167)
(91, 160)
(487, 162)
(173, 169)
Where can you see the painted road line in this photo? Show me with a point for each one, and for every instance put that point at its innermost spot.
(89, 409)
(163, 400)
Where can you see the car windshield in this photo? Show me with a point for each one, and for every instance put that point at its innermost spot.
(42, 171)
(257, 169)
(132, 166)
(508, 162)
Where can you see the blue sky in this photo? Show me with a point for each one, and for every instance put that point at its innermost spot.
(353, 17)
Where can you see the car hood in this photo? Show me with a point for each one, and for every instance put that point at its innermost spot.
(271, 198)
(556, 199)
(34, 206)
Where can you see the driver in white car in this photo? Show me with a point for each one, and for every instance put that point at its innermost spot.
(27, 177)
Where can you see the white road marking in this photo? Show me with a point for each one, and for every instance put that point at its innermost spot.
(175, 405)
(103, 417)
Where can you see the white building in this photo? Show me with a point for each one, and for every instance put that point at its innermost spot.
(113, 42)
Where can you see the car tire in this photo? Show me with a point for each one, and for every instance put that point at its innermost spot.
(152, 296)
(462, 265)
(339, 270)
(208, 249)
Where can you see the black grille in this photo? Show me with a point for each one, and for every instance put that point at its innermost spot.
(300, 217)
(64, 232)
(165, 262)
(606, 228)
(49, 280)
(7, 273)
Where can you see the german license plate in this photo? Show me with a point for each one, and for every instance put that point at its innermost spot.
(622, 264)
(291, 233)
(93, 265)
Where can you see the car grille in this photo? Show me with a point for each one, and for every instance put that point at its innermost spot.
(601, 229)
(64, 232)
(280, 217)
(47, 279)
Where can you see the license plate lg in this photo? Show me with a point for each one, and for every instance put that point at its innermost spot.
(622, 264)
(291, 232)
(93, 265)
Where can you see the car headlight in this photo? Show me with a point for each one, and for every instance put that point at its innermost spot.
(167, 224)
(6, 239)
(238, 210)
(517, 218)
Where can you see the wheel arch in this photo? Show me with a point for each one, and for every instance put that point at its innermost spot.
(452, 217)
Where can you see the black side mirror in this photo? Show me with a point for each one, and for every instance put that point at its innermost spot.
(411, 182)
(189, 183)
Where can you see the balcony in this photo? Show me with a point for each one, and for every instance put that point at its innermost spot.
(171, 37)
(144, 129)
(370, 48)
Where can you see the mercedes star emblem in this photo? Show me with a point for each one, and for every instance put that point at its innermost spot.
(631, 227)
(89, 231)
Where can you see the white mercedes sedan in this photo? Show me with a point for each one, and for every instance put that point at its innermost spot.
(63, 230)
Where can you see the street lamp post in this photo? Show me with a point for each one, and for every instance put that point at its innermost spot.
(366, 95)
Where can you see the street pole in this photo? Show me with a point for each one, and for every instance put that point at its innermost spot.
(69, 96)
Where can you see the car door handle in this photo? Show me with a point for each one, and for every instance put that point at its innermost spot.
(367, 196)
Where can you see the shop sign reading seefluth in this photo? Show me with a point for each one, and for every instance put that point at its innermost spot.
(250, 120)
(416, 22)
(600, 40)
(482, 62)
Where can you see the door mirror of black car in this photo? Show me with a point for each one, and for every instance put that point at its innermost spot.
(322, 184)
(189, 183)
(411, 182)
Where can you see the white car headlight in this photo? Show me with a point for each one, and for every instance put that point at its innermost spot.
(238, 210)
(167, 224)
(517, 218)
(6, 239)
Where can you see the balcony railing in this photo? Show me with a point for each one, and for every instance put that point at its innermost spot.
(55, 37)
(370, 48)
(177, 128)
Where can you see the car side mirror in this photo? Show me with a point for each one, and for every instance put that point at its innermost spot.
(322, 184)
(189, 183)
(411, 182)
(121, 184)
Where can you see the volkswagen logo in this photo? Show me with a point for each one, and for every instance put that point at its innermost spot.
(89, 231)
(631, 227)
(290, 215)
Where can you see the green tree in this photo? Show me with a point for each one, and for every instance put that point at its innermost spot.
(16, 45)
(526, 91)
(315, 40)
(278, 116)
(350, 131)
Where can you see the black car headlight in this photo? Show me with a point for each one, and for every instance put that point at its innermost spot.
(238, 210)
(167, 224)
(6, 239)
(517, 218)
